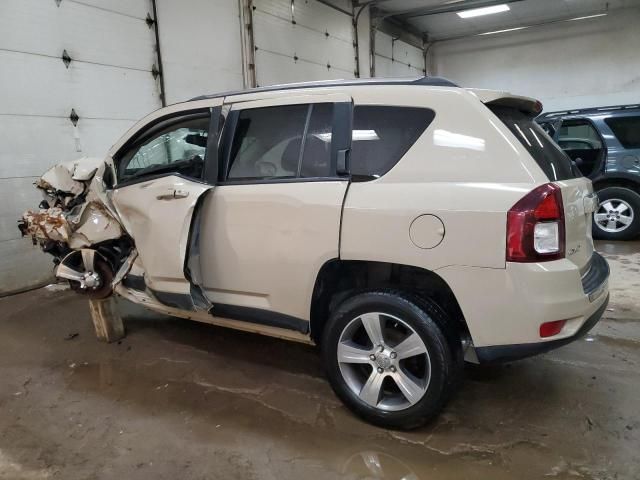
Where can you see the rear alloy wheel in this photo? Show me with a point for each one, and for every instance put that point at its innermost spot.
(393, 377)
(388, 360)
(617, 215)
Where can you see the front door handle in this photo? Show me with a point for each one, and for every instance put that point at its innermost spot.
(173, 194)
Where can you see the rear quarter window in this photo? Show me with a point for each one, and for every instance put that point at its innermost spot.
(382, 135)
(548, 155)
(626, 130)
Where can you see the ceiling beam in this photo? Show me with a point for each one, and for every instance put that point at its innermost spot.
(400, 31)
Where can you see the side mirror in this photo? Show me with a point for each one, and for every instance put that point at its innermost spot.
(107, 177)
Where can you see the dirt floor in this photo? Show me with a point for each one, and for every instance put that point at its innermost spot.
(182, 400)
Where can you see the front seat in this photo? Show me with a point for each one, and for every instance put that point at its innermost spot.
(290, 156)
(315, 162)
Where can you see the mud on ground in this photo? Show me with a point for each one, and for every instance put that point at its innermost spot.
(177, 399)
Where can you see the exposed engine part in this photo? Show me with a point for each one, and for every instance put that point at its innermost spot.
(78, 225)
(88, 273)
(50, 224)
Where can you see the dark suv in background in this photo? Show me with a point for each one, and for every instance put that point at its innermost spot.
(604, 143)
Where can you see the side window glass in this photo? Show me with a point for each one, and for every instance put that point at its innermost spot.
(179, 147)
(578, 134)
(316, 159)
(267, 143)
(626, 130)
(382, 135)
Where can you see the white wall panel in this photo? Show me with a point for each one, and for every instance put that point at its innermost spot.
(395, 58)
(299, 71)
(133, 8)
(87, 33)
(319, 45)
(45, 141)
(38, 85)
(108, 83)
(575, 64)
(200, 44)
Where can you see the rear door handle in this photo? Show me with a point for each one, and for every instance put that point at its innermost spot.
(172, 194)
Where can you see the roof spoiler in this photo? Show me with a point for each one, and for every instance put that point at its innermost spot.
(492, 98)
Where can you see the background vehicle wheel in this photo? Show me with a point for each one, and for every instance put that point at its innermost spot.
(618, 215)
(388, 358)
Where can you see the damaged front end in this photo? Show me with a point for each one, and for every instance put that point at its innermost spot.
(78, 226)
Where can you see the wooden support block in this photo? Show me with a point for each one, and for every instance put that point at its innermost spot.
(106, 320)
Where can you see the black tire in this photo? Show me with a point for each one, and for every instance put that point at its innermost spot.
(632, 199)
(436, 332)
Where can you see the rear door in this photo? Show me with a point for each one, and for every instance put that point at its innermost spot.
(577, 191)
(274, 217)
(623, 140)
(161, 173)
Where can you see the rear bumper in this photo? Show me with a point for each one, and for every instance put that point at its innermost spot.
(595, 280)
(507, 353)
(504, 308)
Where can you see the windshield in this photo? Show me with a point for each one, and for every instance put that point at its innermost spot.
(548, 155)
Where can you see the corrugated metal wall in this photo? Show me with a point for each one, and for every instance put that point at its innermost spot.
(395, 58)
(302, 41)
(200, 44)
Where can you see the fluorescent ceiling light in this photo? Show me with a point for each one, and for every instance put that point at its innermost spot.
(502, 31)
(588, 16)
(477, 12)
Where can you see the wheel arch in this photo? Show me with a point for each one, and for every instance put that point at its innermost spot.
(337, 279)
(623, 180)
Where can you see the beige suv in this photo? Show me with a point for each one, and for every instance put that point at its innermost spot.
(402, 225)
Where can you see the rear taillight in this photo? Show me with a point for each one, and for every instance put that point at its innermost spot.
(535, 226)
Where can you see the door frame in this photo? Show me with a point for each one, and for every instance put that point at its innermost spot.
(137, 136)
(599, 169)
(342, 122)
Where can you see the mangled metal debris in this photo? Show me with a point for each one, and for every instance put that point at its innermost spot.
(75, 224)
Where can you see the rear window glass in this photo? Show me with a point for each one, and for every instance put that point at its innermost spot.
(548, 155)
(382, 135)
(626, 130)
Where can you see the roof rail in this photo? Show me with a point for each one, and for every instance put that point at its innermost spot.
(424, 81)
(591, 110)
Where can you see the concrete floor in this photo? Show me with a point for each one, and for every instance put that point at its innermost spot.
(177, 399)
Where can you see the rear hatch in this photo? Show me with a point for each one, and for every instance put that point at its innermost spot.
(577, 191)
